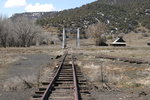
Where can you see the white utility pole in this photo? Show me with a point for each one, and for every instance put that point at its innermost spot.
(64, 39)
(78, 38)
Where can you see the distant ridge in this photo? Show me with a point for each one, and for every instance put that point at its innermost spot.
(33, 15)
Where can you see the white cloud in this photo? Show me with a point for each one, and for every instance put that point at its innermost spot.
(14, 3)
(39, 7)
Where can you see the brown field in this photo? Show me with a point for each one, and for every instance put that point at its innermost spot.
(126, 81)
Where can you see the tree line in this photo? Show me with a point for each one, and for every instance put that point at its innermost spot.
(19, 32)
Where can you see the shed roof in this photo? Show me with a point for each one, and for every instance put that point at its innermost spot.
(119, 41)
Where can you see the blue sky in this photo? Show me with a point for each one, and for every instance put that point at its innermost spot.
(9, 7)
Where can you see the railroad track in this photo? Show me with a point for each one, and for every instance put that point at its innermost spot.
(67, 83)
(130, 60)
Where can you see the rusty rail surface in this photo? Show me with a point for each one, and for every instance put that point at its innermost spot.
(68, 83)
(48, 90)
(125, 59)
(76, 94)
(76, 91)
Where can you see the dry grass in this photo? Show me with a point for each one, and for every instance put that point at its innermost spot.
(19, 82)
(114, 76)
(91, 66)
(10, 55)
(7, 59)
(118, 74)
(45, 74)
(136, 39)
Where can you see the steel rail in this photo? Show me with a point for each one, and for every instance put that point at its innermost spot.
(131, 60)
(49, 88)
(76, 91)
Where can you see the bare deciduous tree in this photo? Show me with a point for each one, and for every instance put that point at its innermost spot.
(96, 32)
(26, 31)
(19, 32)
(5, 29)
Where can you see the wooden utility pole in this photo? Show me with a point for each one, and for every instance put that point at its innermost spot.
(102, 76)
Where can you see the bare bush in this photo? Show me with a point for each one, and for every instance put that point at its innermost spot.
(97, 33)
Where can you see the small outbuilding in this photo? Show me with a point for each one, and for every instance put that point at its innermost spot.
(118, 42)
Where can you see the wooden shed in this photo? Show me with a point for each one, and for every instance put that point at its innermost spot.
(118, 42)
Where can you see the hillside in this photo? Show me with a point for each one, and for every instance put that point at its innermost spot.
(119, 15)
(123, 16)
(119, 2)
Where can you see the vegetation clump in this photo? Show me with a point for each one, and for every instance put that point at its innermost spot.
(20, 32)
(97, 33)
